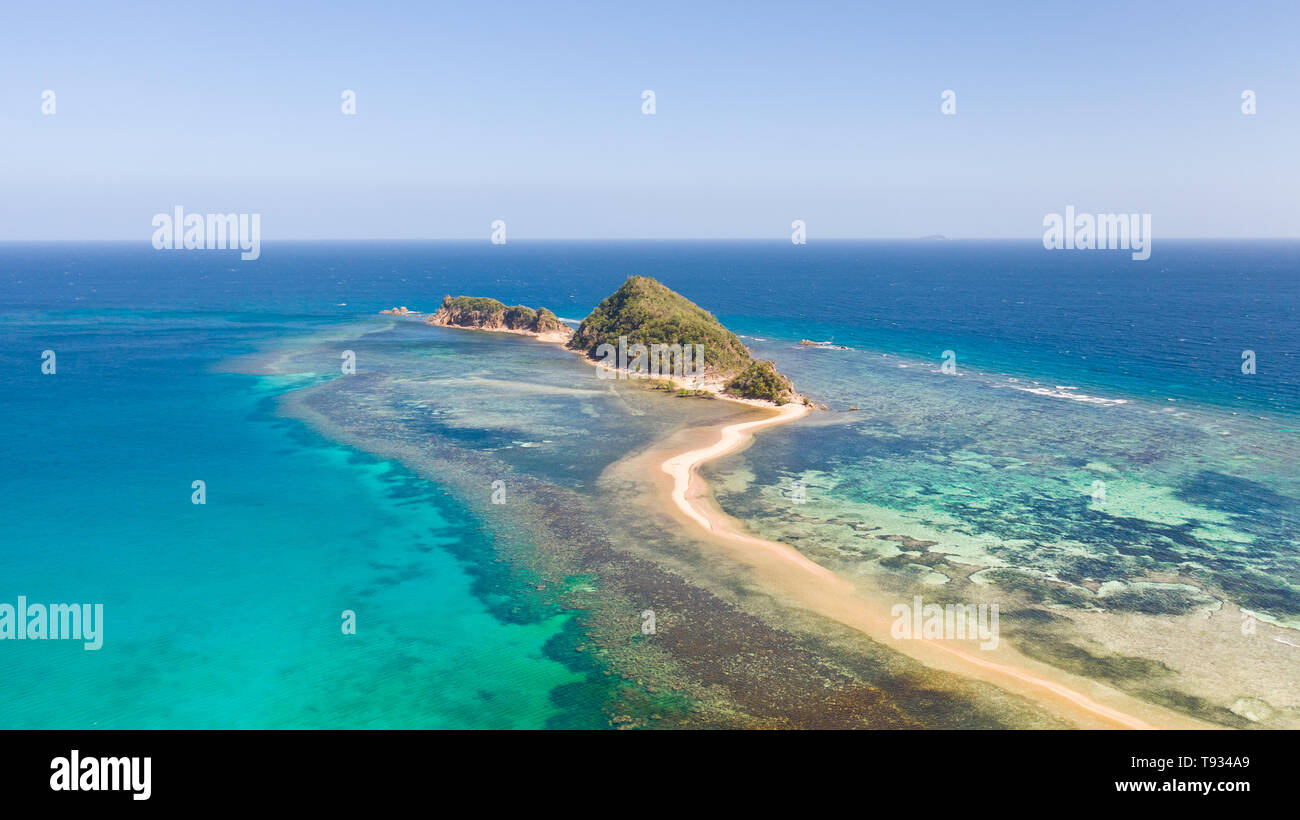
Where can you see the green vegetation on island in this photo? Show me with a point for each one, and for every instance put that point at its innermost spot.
(489, 314)
(642, 312)
(647, 313)
(680, 392)
(761, 380)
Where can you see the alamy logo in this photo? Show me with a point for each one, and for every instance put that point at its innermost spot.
(1087, 232)
(38, 622)
(181, 231)
(102, 774)
(1248, 362)
(648, 362)
(953, 622)
(1099, 492)
(800, 492)
(798, 232)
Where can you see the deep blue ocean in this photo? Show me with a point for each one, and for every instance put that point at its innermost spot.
(227, 614)
(1175, 325)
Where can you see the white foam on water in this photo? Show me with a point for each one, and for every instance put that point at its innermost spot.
(1066, 393)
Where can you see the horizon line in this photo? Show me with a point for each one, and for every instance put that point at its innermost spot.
(936, 238)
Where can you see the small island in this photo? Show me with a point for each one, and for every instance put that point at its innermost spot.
(645, 313)
(643, 330)
(482, 313)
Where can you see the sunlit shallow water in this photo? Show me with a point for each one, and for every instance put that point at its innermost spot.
(1123, 533)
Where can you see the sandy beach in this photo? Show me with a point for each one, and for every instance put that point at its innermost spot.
(1086, 703)
(800, 580)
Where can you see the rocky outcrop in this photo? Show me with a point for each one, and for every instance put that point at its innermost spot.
(483, 313)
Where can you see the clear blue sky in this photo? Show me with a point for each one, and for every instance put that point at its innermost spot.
(531, 112)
